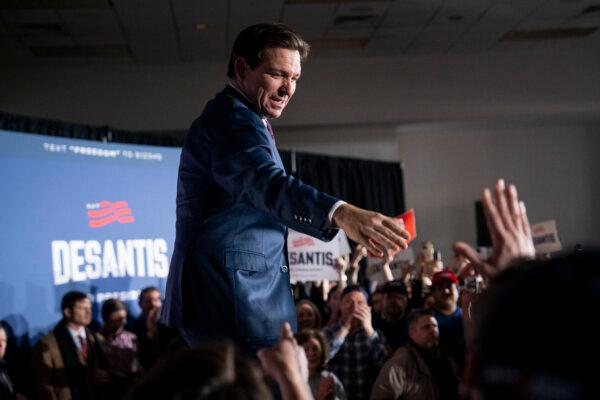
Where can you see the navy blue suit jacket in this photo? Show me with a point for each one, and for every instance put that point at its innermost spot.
(228, 275)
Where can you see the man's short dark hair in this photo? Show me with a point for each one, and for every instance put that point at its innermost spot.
(110, 306)
(395, 286)
(70, 298)
(354, 288)
(416, 314)
(147, 290)
(252, 41)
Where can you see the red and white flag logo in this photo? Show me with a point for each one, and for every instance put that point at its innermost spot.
(107, 212)
(303, 241)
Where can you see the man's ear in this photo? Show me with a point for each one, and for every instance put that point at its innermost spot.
(241, 67)
(67, 314)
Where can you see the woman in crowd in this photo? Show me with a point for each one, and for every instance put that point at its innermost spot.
(121, 345)
(7, 388)
(323, 384)
(308, 315)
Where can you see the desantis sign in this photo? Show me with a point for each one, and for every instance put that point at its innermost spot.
(81, 215)
(401, 259)
(545, 237)
(312, 259)
(81, 260)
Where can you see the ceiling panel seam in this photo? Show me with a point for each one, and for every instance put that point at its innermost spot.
(122, 29)
(521, 21)
(177, 32)
(427, 23)
(470, 27)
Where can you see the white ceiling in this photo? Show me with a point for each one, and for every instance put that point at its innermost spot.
(165, 31)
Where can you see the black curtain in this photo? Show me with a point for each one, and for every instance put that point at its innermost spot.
(374, 185)
(41, 126)
(19, 123)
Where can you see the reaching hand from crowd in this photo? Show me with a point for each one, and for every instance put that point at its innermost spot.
(286, 363)
(358, 254)
(509, 230)
(381, 235)
(386, 271)
(341, 266)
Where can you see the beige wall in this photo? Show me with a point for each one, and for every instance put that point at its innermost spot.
(554, 164)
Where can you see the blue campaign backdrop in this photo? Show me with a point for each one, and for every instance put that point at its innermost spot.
(81, 215)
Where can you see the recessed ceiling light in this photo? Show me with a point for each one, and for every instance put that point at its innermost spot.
(201, 26)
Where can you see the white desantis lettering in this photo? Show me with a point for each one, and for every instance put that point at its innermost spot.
(80, 260)
(311, 257)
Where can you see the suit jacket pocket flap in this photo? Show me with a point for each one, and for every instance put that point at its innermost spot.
(245, 260)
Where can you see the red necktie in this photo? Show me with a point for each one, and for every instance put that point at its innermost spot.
(270, 129)
(84, 349)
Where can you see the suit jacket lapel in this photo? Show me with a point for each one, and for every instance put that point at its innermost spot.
(67, 347)
(231, 91)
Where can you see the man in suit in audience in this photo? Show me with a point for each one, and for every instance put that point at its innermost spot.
(70, 362)
(228, 275)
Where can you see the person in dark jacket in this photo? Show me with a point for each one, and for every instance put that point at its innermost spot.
(70, 362)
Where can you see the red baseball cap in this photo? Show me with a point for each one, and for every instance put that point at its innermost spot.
(444, 276)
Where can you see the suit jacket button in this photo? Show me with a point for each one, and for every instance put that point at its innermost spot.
(284, 268)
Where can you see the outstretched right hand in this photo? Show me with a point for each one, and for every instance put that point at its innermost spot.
(381, 235)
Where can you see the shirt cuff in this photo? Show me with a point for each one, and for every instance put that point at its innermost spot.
(333, 208)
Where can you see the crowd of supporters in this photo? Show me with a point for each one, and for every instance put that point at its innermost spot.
(418, 312)
(468, 330)
(85, 359)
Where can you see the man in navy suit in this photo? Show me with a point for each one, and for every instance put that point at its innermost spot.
(228, 275)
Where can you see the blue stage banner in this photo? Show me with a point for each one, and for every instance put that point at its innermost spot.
(81, 215)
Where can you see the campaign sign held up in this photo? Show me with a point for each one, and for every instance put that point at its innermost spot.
(401, 259)
(312, 259)
(545, 237)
